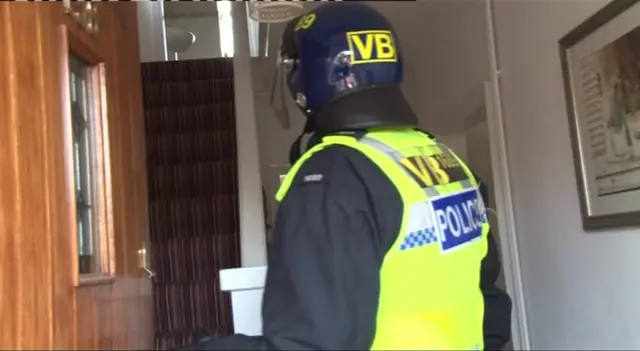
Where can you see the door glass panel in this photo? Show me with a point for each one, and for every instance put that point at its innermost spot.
(83, 126)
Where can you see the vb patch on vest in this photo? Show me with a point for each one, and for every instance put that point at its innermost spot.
(458, 218)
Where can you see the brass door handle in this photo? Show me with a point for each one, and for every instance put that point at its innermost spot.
(150, 273)
(144, 262)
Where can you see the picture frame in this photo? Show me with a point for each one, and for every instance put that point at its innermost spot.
(600, 62)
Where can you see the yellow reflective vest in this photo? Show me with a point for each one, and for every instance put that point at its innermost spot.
(430, 297)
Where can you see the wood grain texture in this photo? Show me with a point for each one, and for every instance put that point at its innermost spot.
(40, 308)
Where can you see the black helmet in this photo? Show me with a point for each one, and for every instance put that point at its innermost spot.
(343, 65)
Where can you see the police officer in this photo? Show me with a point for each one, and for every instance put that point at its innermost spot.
(381, 239)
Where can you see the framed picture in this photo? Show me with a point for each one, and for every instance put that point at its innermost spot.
(601, 70)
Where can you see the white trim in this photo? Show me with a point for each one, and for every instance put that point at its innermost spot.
(225, 28)
(502, 190)
(250, 207)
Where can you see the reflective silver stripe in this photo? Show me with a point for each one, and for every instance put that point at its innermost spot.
(431, 191)
(384, 148)
(445, 149)
(397, 157)
(466, 184)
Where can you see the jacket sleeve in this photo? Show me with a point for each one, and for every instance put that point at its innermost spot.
(497, 304)
(322, 284)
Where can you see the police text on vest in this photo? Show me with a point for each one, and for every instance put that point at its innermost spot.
(459, 218)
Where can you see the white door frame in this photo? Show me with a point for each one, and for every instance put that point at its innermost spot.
(502, 190)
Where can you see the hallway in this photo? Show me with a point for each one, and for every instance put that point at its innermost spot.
(129, 182)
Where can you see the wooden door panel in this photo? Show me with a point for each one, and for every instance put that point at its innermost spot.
(40, 306)
(26, 307)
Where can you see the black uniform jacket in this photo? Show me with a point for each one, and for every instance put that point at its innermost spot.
(333, 228)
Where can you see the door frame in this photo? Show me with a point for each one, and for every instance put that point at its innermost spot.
(502, 188)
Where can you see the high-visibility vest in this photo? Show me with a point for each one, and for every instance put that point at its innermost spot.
(430, 297)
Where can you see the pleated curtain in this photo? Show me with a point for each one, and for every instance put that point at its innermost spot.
(193, 193)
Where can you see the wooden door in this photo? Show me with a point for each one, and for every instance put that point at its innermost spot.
(73, 195)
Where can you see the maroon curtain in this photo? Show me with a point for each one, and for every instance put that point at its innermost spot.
(193, 193)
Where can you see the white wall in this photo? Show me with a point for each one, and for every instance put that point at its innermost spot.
(201, 18)
(451, 48)
(581, 289)
(478, 158)
(151, 31)
(205, 28)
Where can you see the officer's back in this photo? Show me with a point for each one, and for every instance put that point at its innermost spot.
(381, 235)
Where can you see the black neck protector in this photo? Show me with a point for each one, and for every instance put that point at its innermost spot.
(371, 107)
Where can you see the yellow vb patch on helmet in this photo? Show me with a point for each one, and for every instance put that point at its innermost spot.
(372, 46)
